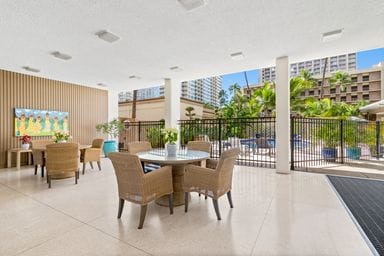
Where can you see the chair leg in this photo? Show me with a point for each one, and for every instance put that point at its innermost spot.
(170, 199)
(121, 207)
(83, 168)
(91, 165)
(216, 206)
(229, 195)
(186, 195)
(42, 171)
(143, 212)
(49, 181)
(35, 169)
(206, 195)
(76, 176)
(99, 165)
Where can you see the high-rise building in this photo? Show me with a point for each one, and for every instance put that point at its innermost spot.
(205, 90)
(345, 62)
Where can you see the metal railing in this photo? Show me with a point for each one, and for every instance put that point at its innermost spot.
(314, 141)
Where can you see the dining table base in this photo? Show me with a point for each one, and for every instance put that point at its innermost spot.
(178, 192)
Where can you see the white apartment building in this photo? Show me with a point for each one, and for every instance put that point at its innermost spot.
(205, 90)
(346, 62)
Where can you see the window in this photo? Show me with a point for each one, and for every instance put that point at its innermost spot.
(366, 87)
(344, 98)
(354, 89)
(354, 79)
(332, 98)
(318, 83)
(354, 98)
(366, 97)
(332, 90)
(366, 78)
(311, 93)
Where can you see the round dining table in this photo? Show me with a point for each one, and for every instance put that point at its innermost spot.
(178, 163)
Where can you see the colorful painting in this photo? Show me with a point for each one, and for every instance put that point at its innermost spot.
(39, 122)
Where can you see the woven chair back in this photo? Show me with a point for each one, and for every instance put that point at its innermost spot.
(62, 157)
(129, 174)
(97, 143)
(200, 145)
(138, 146)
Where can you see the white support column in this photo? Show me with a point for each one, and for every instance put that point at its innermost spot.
(282, 116)
(113, 104)
(172, 93)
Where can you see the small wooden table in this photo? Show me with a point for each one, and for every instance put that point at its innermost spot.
(18, 152)
(178, 164)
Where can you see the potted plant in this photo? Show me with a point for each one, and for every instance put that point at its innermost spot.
(170, 138)
(329, 134)
(112, 129)
(61, 137)
(25, 141)
(351, 139)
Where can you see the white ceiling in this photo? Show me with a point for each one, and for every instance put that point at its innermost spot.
(156, 35)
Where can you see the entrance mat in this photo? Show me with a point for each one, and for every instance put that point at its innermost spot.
(365, 200)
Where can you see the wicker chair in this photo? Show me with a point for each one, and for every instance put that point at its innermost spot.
(140, 146)
(137, 187)
(201, 146)
(215, 180)
(38, 154)
(92, 154)
(62, 161)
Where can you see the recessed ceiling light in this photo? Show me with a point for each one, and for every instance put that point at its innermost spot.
(31, 69)
(191, 4)
(332, 35)
(107, 36)
(62, 56)
(237, 56)
(102, 85)
(175, 68)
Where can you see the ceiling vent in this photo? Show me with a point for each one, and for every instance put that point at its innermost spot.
(107, 36)
(35, 70)
(134, 77)
(237, 56)
(332, 35)
(62, 56)
(102, 85)
(190, 5)
(175, 68)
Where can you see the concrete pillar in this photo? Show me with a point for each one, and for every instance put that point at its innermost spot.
(172, 93)
(282, 116)
(113, 104)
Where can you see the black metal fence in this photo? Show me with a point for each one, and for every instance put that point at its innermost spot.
(142, 131)
(314, 141)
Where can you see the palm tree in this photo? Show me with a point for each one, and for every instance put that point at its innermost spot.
(341, 79)
(266, 98)
(297, 86)
(223, 97)
(189, 112)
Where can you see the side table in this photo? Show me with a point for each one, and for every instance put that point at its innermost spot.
(18, 152)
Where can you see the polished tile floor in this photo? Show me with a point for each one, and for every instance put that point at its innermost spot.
(297, 214)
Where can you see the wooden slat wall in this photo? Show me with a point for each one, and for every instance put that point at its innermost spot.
(86, 106)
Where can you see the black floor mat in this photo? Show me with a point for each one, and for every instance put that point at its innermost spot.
(365, 199)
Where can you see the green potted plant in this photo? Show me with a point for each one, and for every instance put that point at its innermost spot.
(170, 139)
(351, 139)
(112, 129)
(329, 134)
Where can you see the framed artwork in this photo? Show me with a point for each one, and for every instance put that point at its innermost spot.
(34, 122)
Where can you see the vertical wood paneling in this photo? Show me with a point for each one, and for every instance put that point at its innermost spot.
(86, 106)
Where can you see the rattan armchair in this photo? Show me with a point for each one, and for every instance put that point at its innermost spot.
(215, 180)
(62, 161)
(38, 147)
(205, 146)
(140, 146)
(138, 187)
(92, 154)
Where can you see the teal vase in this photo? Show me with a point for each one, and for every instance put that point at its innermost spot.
(109, 146)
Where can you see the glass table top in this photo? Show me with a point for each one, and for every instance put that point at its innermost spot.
(182, 156)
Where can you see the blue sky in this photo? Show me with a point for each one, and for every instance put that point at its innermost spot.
(364, 59)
